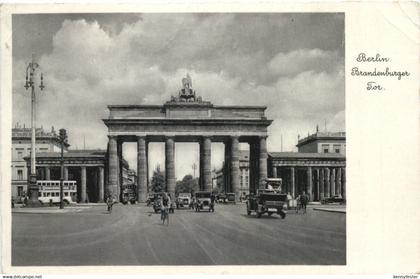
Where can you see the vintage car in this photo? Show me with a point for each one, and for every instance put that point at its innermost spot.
(129, 194)
(221, 198)
(183, 200)
(269, 200)
(334, 199)
(231, 198)
(202, 201)
(157, 203)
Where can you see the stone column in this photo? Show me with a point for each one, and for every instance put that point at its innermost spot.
(332, 182)
(111, 187)
(205, 164)
(234, 165)
(141, 169)
(292, 179)
(274, 172)
(226, 168)
(310, 186)
(321, 182)
(120, 169)
(316, 184)
(263, 160)
(327, 183)
(170, 166)
(101, 184)
(338, 182)
(147, 167)
(253, 166)
(83, 185)
(66, 173)
(47, 173)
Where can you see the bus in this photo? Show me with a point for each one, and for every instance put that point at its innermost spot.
(129, 193)
(49, 191)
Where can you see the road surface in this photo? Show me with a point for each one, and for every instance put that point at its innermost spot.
(134, 235)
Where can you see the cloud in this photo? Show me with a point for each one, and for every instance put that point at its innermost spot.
(233, 60)
(303, 60)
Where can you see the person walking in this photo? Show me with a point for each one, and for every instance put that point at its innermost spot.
(298, 203)
(109, 203)
(164, 208)
(304, 201)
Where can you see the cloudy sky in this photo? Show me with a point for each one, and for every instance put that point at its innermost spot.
(291, 63)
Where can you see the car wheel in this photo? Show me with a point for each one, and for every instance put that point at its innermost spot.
(270, 213)
(66, 202)
(282, 214)
(258, 214)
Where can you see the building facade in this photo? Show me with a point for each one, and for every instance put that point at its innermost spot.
(21, 148)
(243, 175)
(323, 142)
(318, 168)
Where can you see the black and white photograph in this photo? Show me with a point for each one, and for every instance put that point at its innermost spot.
(178, 139)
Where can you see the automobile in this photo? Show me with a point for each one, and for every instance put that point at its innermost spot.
(150, 199)
(230, 198)
(269, 200)
(183, 200)
(157, 203)
(334, 199)
(202, 201)
(221, 198)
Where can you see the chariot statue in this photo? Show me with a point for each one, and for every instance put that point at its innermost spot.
(187, 94)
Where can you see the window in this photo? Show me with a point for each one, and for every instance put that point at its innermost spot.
(337, 148)
(20, 155)
(242, 181)
(325, 148)
(44, 194)
(52, 194)
(66, 194)
(20, 174)
(20, 191)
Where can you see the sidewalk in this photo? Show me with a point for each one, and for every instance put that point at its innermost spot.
(331, 209)
(48, 210)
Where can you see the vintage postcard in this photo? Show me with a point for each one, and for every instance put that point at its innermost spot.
(210, 138)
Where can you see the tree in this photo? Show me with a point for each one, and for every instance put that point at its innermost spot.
(187, 184)
(158, 180)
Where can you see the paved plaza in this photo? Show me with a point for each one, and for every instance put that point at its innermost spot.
(134, 235)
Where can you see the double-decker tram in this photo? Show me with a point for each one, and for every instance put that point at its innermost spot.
(49, 191)
(129, 194)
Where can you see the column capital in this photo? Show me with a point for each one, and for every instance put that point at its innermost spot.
(113, 137)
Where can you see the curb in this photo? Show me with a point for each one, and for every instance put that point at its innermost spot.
(46, 211)
(330, 210)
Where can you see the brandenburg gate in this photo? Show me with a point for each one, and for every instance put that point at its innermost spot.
(187, 118)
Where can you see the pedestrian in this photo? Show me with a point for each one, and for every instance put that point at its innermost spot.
(304, 201)
(289, 200)
(109, 203)
(212, 199)
(298, 203)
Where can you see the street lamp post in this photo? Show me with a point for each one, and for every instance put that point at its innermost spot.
(33, 187)
(63, 139)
